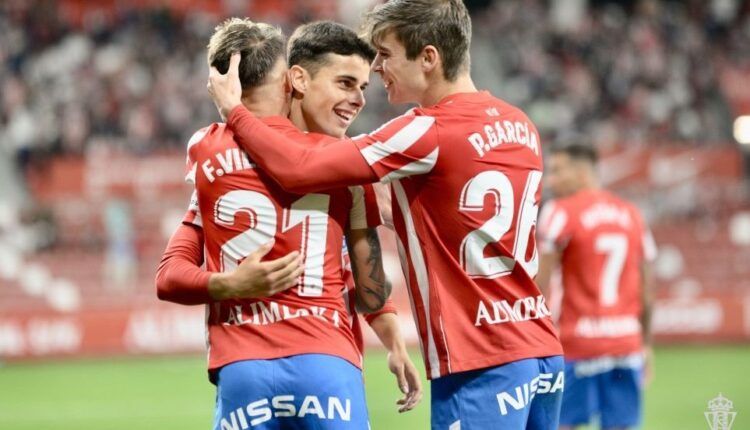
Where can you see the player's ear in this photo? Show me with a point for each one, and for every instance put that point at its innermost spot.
(430, 58)
(298, 78)
(288, 83)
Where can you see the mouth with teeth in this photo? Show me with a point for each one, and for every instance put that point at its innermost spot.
(345, 115)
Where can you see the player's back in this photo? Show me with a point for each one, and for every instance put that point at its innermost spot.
(603, 242)
(241, 209)
(466, 230)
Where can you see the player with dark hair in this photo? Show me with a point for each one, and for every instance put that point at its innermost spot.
(465, 171)
(296, 346)
(602, 248)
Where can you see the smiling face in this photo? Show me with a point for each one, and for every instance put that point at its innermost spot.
(333, 96)
(404, 79)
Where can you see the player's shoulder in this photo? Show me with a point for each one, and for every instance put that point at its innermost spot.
(619, 201)
(412, 122)
(205, 134)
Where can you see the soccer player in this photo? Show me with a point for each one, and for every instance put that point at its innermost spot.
(602, 247)
(465, 169)
(332, 55)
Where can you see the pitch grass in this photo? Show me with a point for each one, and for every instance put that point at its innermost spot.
(173, 393)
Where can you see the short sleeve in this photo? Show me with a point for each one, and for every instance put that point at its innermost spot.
(190, 164)
(388, 308)
(553, 228)
(365, 212)
(193, 214)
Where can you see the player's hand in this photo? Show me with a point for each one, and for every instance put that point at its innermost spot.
(648, 366)
(226, 89)
(408, 380)
(254, 278)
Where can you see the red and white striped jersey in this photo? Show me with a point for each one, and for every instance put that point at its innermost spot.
(603, 241)
(465, 177)
(240, 208)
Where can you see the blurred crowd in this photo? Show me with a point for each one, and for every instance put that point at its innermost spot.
(134, 78)
(619, 72)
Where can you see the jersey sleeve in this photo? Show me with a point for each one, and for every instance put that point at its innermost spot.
(179, 277)
(295, 166)
(405, 146)
(190, 164)
(365, 211)
(193, 214)
(554, 228)
(388, 308)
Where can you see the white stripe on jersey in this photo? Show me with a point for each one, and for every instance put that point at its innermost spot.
(358, 212)
(190, 177)
(399, 142)
(445, 342)
(194, 139)
(405, 269)
(195, 210)
(418, 167)
(420, 270)
(556, 225)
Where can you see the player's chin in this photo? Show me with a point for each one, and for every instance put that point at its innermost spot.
(337, 129)
(394, 97)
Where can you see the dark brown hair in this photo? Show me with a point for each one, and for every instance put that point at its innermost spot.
(311, 43)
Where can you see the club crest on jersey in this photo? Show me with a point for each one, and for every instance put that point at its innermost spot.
(524, 309)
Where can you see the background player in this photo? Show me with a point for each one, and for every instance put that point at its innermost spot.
(602, 247)
(325, 59)
(465, 169)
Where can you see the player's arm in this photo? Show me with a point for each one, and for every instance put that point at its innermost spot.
(548, 262)
(647, 298)
(372, 289)
(646, 301)
(386, 327)
(297, 167)
(294, 166)
(301, 168)
(551, 233)
(647, 307)
(180, 279)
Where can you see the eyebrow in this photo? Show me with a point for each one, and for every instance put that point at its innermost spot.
(350, 78)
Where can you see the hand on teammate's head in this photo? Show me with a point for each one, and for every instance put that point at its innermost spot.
(226, 89)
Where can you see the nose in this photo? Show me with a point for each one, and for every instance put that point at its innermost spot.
(357, 98)
(377, 64)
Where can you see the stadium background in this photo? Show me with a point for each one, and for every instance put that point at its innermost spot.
(97, 101)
